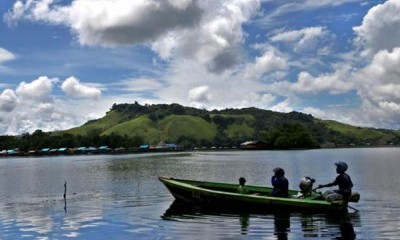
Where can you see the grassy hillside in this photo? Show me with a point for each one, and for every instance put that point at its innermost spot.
(170, 129)
(111, 119)
(174, 127)
(191, 126)
(141, 126)
(358, 132)
(240, 131)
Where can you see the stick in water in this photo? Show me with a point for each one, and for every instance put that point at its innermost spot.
(65, 197)
(65, 190)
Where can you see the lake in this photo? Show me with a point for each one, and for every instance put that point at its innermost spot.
(120, 197)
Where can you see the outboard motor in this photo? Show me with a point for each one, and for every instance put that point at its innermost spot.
(306, 186)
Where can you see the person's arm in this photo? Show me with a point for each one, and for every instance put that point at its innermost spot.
(330, 184)
(327, 185)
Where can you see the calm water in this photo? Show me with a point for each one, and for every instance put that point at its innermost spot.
(120, 197)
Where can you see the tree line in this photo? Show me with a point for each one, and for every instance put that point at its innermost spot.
(39, 140)
(288, 137)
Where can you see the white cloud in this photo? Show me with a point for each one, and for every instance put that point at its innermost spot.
(111, 22)
(271, 60)
(262, 100)
(305, 40)
(140, 84)
(378, 84)
(73, 88)
(315, 112)
(200, 95)
(6, 55)
(282, 107)
(38, 89)
(51, 113)
(288, 7)
(335, 83)
(380, 28)
(216, 39)
(191, 84)
(208, 31)
(8, 100)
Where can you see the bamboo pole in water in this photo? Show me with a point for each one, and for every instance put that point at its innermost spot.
(65, 190)
(65, 196)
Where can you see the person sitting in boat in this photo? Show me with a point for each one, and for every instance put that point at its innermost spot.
(343, 181)
(242, 188)
(280, 183)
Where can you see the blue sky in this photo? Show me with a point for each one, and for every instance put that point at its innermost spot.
(64, 62)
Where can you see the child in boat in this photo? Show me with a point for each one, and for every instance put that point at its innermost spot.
(280, 183)
(343, 181)
(242, 188)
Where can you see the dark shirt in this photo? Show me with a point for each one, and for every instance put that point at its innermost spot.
(281, 186)
(345, 184)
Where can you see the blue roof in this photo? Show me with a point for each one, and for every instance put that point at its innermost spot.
(81, 148)
(103, 147)
(45, 149)
(144, 146)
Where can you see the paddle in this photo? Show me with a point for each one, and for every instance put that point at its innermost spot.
(355, 209)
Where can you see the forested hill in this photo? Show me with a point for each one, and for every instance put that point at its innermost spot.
(135, 124)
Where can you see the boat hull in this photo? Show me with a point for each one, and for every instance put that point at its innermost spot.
(224, 195)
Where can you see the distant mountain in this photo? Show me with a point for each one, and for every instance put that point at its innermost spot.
(189, 126)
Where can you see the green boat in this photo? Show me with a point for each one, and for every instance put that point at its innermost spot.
(225, 195)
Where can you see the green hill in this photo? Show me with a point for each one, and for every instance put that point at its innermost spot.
(366, 135)
(130, 125)
(228, 127)
(170, 129)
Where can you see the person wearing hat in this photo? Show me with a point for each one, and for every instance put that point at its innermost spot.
(280, 183)
(343, 180)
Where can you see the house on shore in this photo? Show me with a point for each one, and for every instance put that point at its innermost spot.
(254, 145)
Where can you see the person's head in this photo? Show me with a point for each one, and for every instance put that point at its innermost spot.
(341, 167)
(242, 181)
(279, 172)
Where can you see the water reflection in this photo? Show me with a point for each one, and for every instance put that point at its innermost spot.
(244, 219)
(282, 225)
(42, 219)
(337, 226)
(346, 224)
(279, 224)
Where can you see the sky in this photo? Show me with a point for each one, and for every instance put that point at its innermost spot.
(64, 62)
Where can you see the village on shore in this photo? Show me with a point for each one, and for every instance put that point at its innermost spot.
(161, 147)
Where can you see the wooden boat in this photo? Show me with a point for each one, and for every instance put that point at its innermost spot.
(225, 194)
